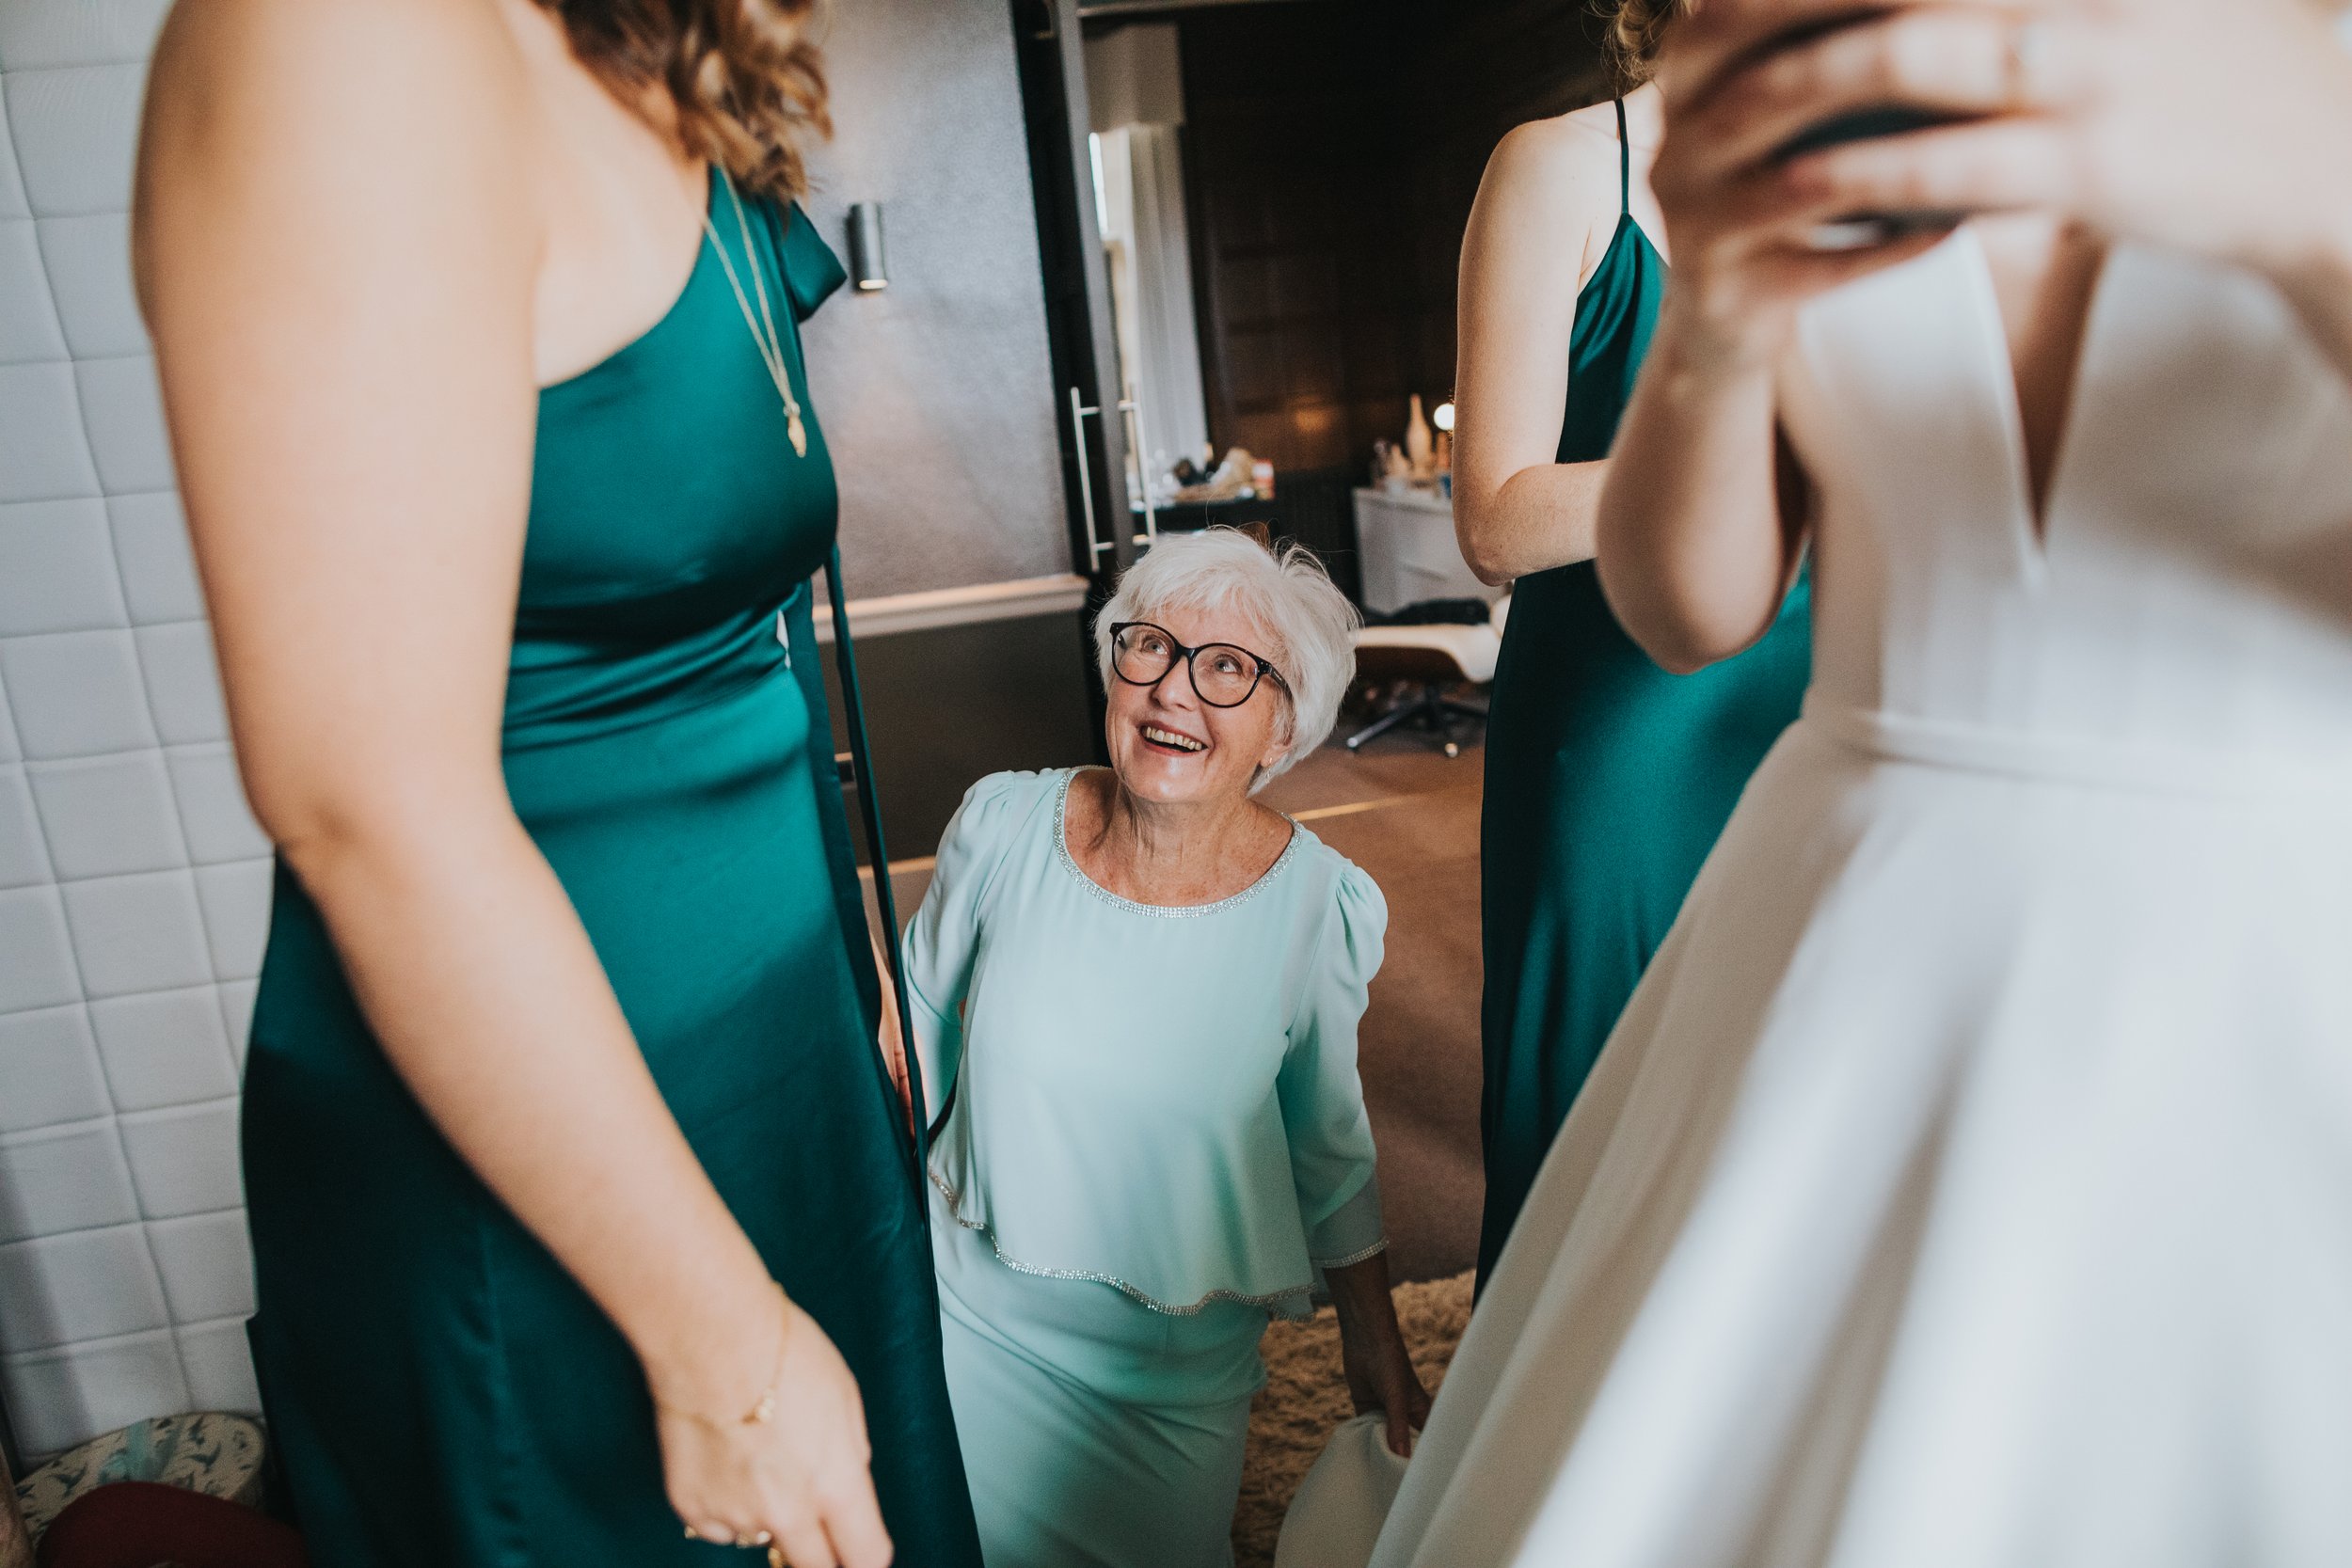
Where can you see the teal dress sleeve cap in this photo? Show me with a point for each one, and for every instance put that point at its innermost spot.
(1321, 1094)
(812, 273)
(943, 937)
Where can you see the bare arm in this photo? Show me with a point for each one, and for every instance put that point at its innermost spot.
(338, 250)
(1549, 194)
(1378, 1363)
(1694, 550)
(1703, 516)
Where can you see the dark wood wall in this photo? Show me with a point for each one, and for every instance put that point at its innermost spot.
(1332, 151)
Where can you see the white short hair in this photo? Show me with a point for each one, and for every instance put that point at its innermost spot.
(1286, 590)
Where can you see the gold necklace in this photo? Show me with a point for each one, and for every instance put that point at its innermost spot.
(763, 326)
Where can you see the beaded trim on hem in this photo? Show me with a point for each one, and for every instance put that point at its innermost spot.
(1286, 1303)
(1354, 1258)
(1166, 911)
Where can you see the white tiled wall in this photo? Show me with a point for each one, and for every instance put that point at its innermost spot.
(133, 884)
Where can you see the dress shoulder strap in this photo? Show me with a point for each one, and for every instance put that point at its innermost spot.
(1625, 163)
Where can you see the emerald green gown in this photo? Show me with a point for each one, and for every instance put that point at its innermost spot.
(443, 1394)
(1607, 778)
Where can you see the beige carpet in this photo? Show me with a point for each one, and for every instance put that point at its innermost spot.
(1305, 1398)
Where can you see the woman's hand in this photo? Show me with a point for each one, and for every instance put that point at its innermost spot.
(2117, 113)
(797, 1475)
(891, 1039)
(1380, 1376)
(1378, 1367)
(1736, 225)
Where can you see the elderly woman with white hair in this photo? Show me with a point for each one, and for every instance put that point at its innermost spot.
(1136, 992)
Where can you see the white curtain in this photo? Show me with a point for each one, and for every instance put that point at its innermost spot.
(1133, 81)
(1168, 337)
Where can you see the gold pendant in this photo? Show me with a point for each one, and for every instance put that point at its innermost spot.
(796, 430)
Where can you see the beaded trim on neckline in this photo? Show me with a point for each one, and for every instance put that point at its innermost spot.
(1165, 911)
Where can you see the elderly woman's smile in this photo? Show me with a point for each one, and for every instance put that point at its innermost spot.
(1198, 707)
(1166, 739)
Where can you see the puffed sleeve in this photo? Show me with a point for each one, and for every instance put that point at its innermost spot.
(945, 935)
(1321, 1096)
(811, 271)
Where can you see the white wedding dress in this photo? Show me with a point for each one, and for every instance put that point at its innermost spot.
(1970, 1181)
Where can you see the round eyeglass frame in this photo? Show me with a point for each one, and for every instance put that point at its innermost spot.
(1179, 654)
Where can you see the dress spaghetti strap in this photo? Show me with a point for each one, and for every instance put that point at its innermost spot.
(1625, 163)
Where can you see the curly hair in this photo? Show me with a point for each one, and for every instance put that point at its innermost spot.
(1634, 29)
(746, 76)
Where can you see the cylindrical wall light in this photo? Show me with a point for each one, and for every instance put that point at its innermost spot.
(869, 263)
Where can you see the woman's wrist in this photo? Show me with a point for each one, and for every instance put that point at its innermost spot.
(722, 1364)
(1703, 355)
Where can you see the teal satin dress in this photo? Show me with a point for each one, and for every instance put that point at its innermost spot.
(440, 1390)
(1608, 780)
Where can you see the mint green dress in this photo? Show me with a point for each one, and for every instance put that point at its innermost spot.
(1608, 780)
(441, 1392)
(1155, 1135)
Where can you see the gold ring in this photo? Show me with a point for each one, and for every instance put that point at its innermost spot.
(776, 1557)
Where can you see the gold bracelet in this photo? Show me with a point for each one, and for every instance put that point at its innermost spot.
(765, 1410)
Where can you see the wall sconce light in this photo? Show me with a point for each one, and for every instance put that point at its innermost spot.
(1442, 416)
(869, 263)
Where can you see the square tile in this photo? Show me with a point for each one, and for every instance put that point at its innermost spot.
(76, 134)
(78, 32)
(213, 810)
(43, 454)
(122, 408)
(29, 328)
(207, 1265)
(12, 203)
(62, 1178)
(58, 568)
(24, 855)
(183, 682)
(236, 903)
(164, 1048)
(152, 552)
(48, 1071)
(88, 1285)
(58, 1398)
(219, 1365)
(37, 967)
(89, 263)
(76, 695)
(138, 933)
(183, 1161)
(236, 1014)
(108, 817)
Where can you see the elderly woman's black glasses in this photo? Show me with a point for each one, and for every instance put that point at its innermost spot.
(1224, 675)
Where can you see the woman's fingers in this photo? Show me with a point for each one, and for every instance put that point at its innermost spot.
(854, 1523)
(1723, 37)
(1994, 166)
(804, 1544)
(1400, 1429)
(1961, 59)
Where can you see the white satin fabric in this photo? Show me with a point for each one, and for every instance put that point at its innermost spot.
(1970, 1181)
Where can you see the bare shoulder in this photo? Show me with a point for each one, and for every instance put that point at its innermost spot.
(262, 111)
(291, 81)
(1565, 170)
(349, 51)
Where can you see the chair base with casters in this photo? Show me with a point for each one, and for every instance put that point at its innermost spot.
(1434, 658)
